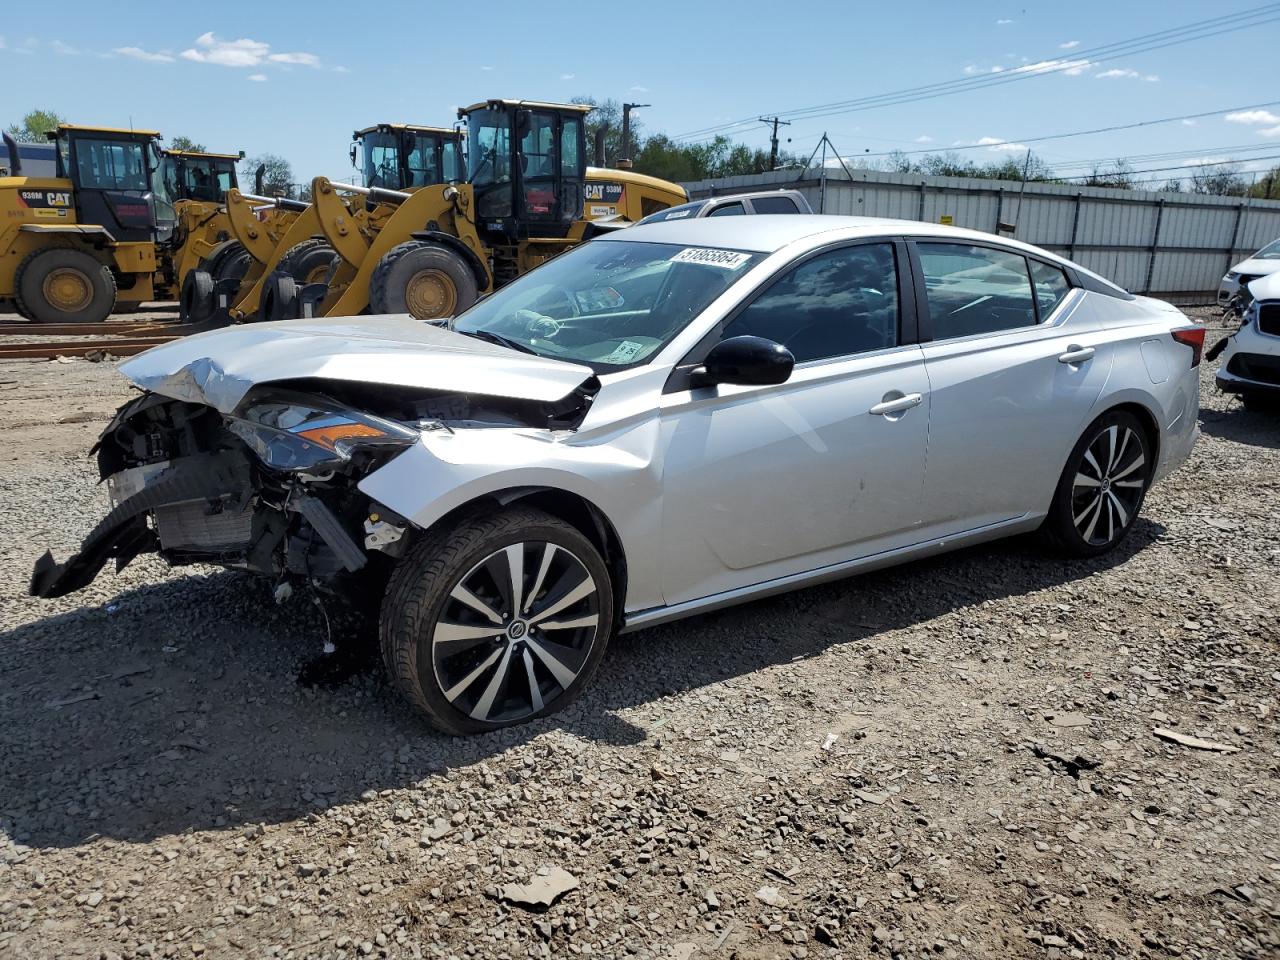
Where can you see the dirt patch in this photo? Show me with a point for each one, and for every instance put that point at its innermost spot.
(955, 758)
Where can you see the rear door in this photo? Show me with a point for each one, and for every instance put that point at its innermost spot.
(1015, 363)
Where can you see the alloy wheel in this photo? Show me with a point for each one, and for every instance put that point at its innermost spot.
(515, 632)
(1108, 486)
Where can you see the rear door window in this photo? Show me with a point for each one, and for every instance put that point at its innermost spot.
(973, 290)
(774, 205)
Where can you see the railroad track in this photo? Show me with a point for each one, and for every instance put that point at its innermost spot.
(122, 339)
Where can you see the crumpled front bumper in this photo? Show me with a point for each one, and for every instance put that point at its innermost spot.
(123, 533)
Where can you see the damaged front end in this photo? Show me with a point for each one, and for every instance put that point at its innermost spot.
(270, 488)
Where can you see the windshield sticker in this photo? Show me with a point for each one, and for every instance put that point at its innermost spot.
(624, 352)
(728, 259)
(676, 215)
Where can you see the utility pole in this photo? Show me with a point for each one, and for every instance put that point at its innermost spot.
(773, 140)
(626, 128)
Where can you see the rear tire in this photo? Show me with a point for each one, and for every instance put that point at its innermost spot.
(65, 286)
(308, 261)
(470, 671)
(423, 279)
(233, 263)
(1102, 487)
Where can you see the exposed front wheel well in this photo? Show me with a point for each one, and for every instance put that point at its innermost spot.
(577, 511)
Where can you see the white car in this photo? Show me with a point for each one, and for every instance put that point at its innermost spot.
(1251, 356)
(1262, 264)
(662, 422)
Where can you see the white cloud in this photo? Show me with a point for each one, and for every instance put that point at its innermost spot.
(924, 138)
(258, 77)
(567, 76)
(972, 70)
(243, 53)
(296, 59)
(57, 46)
(1204, 161)
(341, 69)
(639, 89)
(486, 68)
(137, 53)
(1001, 23)
(1117, 74)
(1072, 68)
(1189, 123)
(1069, 45)
(1000, 146)
(1252, 116)
(1270, 132)
(1151, 78)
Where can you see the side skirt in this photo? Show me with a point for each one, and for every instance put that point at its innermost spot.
(654, 616)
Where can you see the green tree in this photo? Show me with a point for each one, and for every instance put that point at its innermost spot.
(187, 144)
(278, 179)
(35, 125)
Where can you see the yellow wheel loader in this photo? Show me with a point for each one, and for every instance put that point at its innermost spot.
(433, 251)
(73, 245)
(285, 237)
(196, 183)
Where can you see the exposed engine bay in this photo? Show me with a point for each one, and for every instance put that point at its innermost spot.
(272, 487)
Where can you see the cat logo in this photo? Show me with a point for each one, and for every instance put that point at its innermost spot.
(57, 199)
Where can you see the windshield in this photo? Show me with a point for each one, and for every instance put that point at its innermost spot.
(1270, 252)
(489, 153)
(423, 159)
(380, 155)
(686, 211)
(610, 304)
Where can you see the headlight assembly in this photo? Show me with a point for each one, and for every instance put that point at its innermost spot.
(299, 436)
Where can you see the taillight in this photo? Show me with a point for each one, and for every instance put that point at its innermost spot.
(1193, 337)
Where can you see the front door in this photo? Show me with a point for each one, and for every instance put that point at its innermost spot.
(763, 482)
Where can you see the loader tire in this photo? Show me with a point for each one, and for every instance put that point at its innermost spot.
(195, 301)
(308, 261)
(232, 263)
(279, 298)
(423, 279)
(65, 286)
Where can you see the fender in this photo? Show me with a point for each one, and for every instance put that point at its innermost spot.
(453, 243)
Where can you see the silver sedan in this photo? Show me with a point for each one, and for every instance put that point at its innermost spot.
(659, 423)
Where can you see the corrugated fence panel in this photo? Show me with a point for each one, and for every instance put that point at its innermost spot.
(1111, 232)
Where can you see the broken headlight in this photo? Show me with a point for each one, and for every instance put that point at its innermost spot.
(297, 436)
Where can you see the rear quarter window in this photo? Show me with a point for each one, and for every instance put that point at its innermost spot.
(774, 205)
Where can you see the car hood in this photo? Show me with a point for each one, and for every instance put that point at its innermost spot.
(1256, 266)
(219, 367)
(1266, 288)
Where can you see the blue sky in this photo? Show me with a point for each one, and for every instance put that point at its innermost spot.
(296, 79)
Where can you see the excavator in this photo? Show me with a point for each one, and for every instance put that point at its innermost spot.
(432, 250)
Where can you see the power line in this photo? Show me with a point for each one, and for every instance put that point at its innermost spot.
(1083, 133)
(1078, 61)
(1188, 169)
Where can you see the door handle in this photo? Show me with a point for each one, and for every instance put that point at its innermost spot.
(1076, 354)
(890, 407)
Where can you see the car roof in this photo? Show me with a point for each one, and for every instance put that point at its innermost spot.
(765, 233)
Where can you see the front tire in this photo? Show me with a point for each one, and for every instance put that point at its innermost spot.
(423, 279)
(496, 622)
(65, 286)
(1102, 487)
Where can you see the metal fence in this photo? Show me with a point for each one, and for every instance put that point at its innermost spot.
(1171, 245)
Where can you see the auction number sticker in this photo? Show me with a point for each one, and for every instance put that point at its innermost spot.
(728, 259)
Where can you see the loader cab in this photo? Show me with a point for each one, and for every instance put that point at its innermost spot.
(202, 177)
(400, 156)
(117, 176)
(527, 164)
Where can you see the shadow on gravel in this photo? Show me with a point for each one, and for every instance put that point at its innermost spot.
(1257, 428)
(177, 706)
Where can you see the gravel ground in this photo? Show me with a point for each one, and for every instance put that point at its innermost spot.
(955, 758)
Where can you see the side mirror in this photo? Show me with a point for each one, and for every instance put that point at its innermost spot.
(748, 361)
(353, 154)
